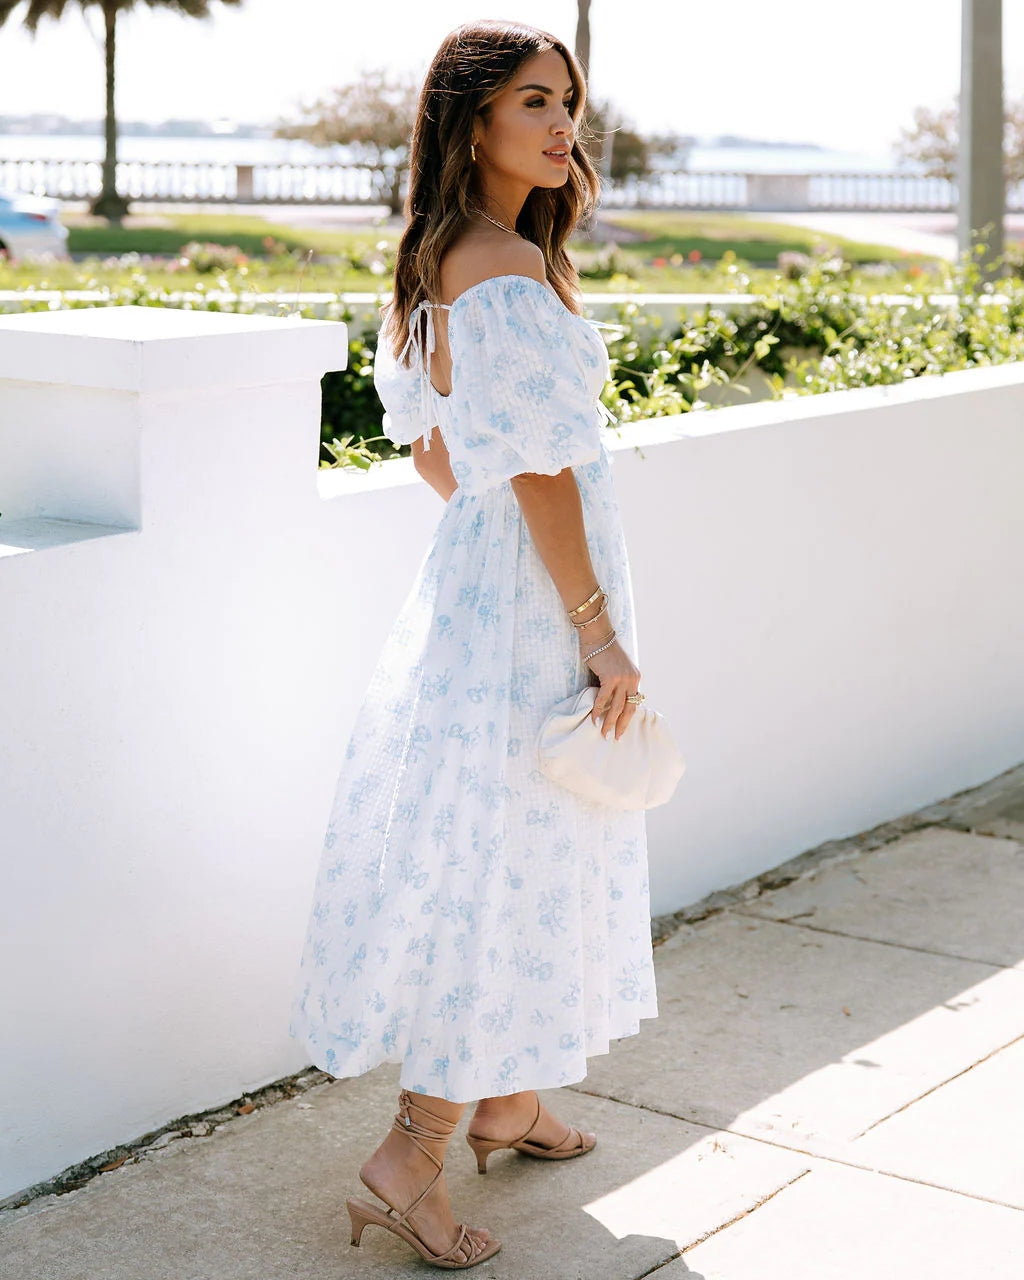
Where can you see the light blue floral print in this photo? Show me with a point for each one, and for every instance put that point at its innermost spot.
(471, 920)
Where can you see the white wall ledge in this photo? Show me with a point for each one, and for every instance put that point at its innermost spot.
(795, 408)
(165, 349)
(19, 536)
(100, 407)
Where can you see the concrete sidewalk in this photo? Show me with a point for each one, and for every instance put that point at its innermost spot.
(931, 234)
(833, 1089)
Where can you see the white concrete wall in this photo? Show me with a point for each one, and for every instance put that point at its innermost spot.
(843, 640)
(829, 610)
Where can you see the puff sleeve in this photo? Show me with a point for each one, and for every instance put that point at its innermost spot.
(404, 391)
(526, 377)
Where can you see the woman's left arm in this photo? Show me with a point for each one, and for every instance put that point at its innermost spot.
(434, 465)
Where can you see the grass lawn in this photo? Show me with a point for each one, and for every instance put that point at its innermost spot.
(358, 256)
(164, 234)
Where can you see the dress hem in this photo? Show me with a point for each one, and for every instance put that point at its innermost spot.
(522, 1080)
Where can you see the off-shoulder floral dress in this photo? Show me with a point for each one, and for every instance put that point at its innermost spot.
(472, 920)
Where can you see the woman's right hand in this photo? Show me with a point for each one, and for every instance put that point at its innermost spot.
(619, 677)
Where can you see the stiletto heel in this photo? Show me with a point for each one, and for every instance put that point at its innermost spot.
(482, 1148)
(573, 1144)
(361, 1212)
(358, 1219)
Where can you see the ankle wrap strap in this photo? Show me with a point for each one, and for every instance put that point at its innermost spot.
(404, 1123)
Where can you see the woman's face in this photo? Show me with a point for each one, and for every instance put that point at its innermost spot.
(530, 131)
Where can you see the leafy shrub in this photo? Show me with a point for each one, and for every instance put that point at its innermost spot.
(351, 414)
(860, 340)
(602, 263)
(379, 261)
(851, 338)
(793, 263)
(207, 256)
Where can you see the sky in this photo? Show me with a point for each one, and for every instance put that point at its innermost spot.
(843, 75)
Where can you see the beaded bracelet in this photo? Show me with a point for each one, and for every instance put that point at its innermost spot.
(607, 645)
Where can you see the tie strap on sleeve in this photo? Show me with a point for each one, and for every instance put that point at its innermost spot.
(424, 308)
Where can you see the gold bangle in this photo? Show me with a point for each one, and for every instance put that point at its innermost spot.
(586, 604)
(603, 610)
(604, 604)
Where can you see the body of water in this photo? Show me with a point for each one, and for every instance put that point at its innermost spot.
(229, 150)
(787, 160)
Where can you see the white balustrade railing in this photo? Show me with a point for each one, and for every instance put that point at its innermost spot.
(296, 183)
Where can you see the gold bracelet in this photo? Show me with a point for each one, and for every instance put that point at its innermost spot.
(604, 605)
(603, 610)
(607, 645)
(585, 605)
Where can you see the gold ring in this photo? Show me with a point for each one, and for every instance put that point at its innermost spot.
(636, 698)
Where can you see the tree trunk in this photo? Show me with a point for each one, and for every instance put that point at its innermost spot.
(583, 35)
(108, 204)
(396, 190)
(980, 166)
(587, 224)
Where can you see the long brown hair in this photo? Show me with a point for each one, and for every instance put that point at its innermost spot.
(473, 65)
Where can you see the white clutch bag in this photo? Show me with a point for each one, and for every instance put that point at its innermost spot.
(639, 771)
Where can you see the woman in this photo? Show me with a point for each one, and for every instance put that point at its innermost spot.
(472, 920)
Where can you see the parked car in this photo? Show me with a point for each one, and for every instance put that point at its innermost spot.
(31, 225)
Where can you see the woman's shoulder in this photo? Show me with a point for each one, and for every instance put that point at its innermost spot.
(476, 259)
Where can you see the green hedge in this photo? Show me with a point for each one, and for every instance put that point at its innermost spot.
(852, 338)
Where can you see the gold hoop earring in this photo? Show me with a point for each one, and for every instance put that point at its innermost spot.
(472, 152)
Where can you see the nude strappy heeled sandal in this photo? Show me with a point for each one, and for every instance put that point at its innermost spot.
(361, 1212)
(574, 1143)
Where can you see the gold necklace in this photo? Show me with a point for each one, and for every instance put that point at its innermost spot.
(511, 230)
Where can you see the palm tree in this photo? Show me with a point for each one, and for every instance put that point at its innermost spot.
(108, 204)
(582, 49)
(582, 52)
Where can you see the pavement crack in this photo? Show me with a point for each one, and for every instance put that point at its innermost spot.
(795, 922)
(658, 1266)
(745, 1213)
(935, 1087)
(826, 1157)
